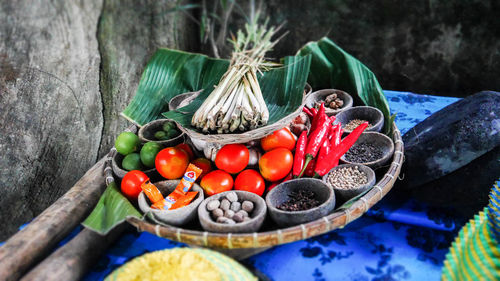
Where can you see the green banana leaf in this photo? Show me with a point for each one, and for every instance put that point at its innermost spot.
(282, 89)
(332, 67)
(170, 73)
(111, 210)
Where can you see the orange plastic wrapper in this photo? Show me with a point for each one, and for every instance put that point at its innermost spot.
(184, 200)
(152, 192)
(187, 181)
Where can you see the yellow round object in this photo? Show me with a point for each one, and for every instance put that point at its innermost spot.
(181, 264)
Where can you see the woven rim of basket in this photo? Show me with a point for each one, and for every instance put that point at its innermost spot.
(325, 224)
(249, 135)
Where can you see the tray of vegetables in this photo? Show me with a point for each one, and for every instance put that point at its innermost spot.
(255, 159)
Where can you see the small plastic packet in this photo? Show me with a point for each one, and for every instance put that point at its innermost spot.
(187, 181)
(184, 200)
(152, 192)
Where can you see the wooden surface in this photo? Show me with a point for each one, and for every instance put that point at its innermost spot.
(36, 240)
(75, 258)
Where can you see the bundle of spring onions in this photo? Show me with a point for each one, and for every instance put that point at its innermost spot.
(236, 103)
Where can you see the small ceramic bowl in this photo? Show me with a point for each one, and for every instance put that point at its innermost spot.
(378, 140)
(257, 216)
(182, 100)
(278, 195)
(344, 194)
(146, 133)
(175, 217)
(322, 94)
(116, 164)
(371, 114)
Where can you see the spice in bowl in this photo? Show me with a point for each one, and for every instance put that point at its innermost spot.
(300, 200)
(363, 153)
(331, 101)
(229, 210)
(353, 124)
(347, 178)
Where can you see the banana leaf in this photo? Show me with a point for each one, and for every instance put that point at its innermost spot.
(172, 72)
(111, 210)
(332, 67)
(167, 74)
(282, 89)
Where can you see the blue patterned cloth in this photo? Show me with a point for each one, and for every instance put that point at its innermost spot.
(398, 239)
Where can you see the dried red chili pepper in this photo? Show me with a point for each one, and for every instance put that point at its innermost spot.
(324, 160)
(308, 112)
(314, 111)
(318, 117)
(300, 152)
(348, 141)
(309, 172)
(316, 139)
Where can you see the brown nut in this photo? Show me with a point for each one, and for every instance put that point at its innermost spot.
(235, 206)
(229, 213)
(247, 206)
(217, 213)
(225, 204)
(212, 205)
(232, 196)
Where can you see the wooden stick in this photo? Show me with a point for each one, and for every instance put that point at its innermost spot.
(34, 242)
(74, 259)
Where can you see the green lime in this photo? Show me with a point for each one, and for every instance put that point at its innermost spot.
(160, 135)
(168, 125)
(172, 133)
(132, 162)
(148, 153)
(126, 143)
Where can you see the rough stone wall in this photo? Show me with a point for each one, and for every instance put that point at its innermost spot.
(433, 47)
(67, 68)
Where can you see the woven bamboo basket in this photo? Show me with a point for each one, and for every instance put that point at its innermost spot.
(242, 245)
(245, 136)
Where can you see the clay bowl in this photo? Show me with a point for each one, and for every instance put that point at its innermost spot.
(146, 133)
(257, 216)
(322, 94)
(344, 194)
(378, 140)
(371, 114)
(182, 100)
(116, 164)
(177, 217)
(278, 195)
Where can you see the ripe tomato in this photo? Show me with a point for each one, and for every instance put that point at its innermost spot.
(232, 158)
(280, 138)
(251, 181)
(274, 184)
(187, 149)
(171, 162)
(203, 164)
(216, 182)
(276, 164)
(131, 183)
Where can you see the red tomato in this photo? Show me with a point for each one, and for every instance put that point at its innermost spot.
(232, 158)
(280, 138)
(251, 181)
(131, 183)
(216, 182)
(203, 164)
(276, 164)
(187, 149)
(171, 162)
(274, 184)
